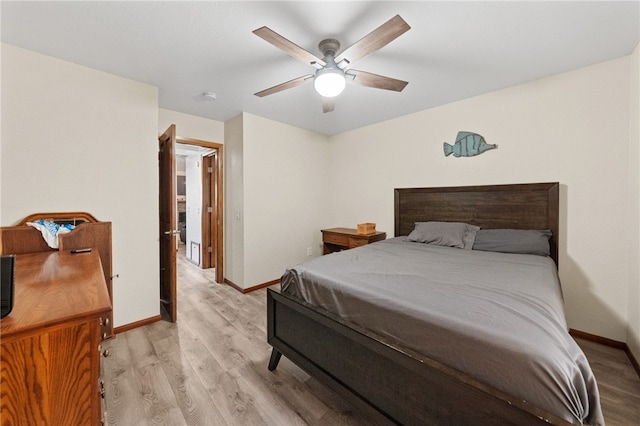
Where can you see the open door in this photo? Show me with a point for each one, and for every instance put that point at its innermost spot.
(209, 211)
(168, 222)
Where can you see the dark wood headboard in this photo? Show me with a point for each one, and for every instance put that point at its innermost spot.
(516, 206)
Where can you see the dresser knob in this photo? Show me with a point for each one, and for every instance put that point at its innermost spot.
(104, 336)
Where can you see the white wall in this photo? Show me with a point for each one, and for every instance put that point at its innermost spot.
(1, 146)
(190, 126)
(284, 185)
(234, 201)
(633, 333)
(64, 129)
(572, 128)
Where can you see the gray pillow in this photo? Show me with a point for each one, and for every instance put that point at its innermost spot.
(450, 234)
(513, 241)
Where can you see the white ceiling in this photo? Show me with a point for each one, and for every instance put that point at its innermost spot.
(454, 50)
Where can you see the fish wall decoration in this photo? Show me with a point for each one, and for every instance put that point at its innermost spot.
(467, 144)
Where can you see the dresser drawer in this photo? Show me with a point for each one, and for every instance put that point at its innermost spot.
(338, 239)
(357, 242)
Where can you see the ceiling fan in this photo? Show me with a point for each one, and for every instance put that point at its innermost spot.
(332, 72)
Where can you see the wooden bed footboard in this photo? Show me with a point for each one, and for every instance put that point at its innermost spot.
(405, 387)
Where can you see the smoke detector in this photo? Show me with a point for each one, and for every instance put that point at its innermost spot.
(209, 96)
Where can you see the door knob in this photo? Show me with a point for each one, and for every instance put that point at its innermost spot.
(173, 232)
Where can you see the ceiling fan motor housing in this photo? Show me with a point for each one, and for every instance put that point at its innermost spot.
(329, 46)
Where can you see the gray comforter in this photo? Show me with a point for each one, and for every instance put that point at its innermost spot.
(498, 317)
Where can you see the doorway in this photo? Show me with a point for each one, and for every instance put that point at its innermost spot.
(200, 208)
(212, 217)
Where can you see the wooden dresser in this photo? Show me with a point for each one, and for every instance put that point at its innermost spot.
(336, 239)
(50, 352)
(89, 233)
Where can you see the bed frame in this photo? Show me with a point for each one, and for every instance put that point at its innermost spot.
(406, 387)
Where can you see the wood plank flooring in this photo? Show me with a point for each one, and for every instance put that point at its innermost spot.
(210, 368)
(618, 383)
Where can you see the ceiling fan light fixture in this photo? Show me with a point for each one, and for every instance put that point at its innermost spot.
(329, 83)
(330, 76)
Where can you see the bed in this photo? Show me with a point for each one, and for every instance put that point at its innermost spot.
(488, 346)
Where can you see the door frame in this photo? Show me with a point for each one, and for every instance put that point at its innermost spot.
(212, 229)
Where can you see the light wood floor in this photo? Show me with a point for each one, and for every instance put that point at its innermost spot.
(210, 368)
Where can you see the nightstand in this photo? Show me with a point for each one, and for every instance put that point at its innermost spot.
(336, 239)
